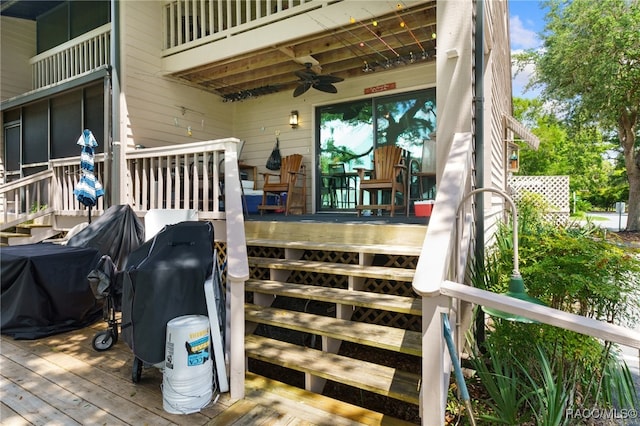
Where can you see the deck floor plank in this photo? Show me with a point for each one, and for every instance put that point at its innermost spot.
(33, 409)
(68, 366)
(8, 416)
(92, 388)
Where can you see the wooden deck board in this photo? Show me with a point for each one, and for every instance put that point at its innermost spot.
(33, 410)
(380, 379)
(62, 380)
(402, 304)
(8, 416)
(394, 339)
(380, 272)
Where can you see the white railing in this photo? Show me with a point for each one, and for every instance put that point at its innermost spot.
(190, 23)
(67, 173)
(69, 60)
(190, 176)
(438, 278)
(184, 176)
(26, 199)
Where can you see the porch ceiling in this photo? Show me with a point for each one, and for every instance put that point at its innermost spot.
(398, 39)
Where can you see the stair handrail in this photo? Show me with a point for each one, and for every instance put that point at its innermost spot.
(237, 267)
(27, 193)
(439, 279)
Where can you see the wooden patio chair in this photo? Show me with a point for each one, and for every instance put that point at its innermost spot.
(291, 184)
(387, 180)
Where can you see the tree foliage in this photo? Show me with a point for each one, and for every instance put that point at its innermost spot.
(573, 149)
(590, 64)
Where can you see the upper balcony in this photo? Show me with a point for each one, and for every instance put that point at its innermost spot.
(72, 59)
(242, 49)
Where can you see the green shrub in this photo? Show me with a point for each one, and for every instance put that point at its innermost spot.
(569, 268)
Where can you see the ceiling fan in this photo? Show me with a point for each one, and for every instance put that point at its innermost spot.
(309, 78)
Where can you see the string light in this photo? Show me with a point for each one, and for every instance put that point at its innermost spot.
(411, 58)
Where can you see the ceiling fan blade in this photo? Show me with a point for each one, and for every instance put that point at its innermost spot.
(328, 79)
(301, 89)
(327, 88)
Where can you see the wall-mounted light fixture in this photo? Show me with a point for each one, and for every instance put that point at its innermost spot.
(293, 119)
(513, 151)
(513, 161)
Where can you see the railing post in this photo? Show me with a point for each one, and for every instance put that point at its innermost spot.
(436, 365)
(238, 269)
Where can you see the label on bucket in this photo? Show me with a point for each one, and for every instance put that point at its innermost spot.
(188, 344)
(197, 349)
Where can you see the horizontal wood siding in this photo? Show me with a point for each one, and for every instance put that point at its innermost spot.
(499, 103)
(20, 35)
(159, 111)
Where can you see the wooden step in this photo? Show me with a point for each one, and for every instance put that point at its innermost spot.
(365, 299)
(376, 272)
(398, 239)
(335, 246)
(314, 407)
(383, 380)
(380, 336)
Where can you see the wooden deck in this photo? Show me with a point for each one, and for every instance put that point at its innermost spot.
(62, 380)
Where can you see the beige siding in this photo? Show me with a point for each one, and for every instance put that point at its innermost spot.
(499, 80)
(18, 46)
(498, 103)
(156, 111)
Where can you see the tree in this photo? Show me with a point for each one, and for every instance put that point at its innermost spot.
(566, 148)
(590, 64)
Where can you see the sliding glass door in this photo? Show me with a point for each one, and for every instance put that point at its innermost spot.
(348, 132)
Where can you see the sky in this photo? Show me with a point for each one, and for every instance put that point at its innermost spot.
(527, 21)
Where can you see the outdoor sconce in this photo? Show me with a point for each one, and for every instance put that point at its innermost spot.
(513, 161)
(514, 158)
(293, 119)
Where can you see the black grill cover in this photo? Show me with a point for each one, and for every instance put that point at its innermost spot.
(164, 279)
(116, 233)
(45, 290)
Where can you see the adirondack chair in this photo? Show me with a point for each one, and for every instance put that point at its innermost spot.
(291, 184)
(387, 180)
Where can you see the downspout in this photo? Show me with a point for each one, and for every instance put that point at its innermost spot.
(479, 145)
(115, 148)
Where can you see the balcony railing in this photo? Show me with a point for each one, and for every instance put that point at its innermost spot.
(190, 23)
(74, 58)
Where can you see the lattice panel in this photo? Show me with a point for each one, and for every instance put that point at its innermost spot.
(322, 280)
(331, 256)
(554, 189)
(391, 319)
(221, 249)
(270, 252)
(396, 261)
(397, 288)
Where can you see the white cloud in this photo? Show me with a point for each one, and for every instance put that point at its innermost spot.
(521, 79)
(522, 37)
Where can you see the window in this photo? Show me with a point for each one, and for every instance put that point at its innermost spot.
(49, 128)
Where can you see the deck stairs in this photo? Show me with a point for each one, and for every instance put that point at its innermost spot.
(330, 311)
(28, 233)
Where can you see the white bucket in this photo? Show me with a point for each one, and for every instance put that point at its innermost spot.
(187, 382)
